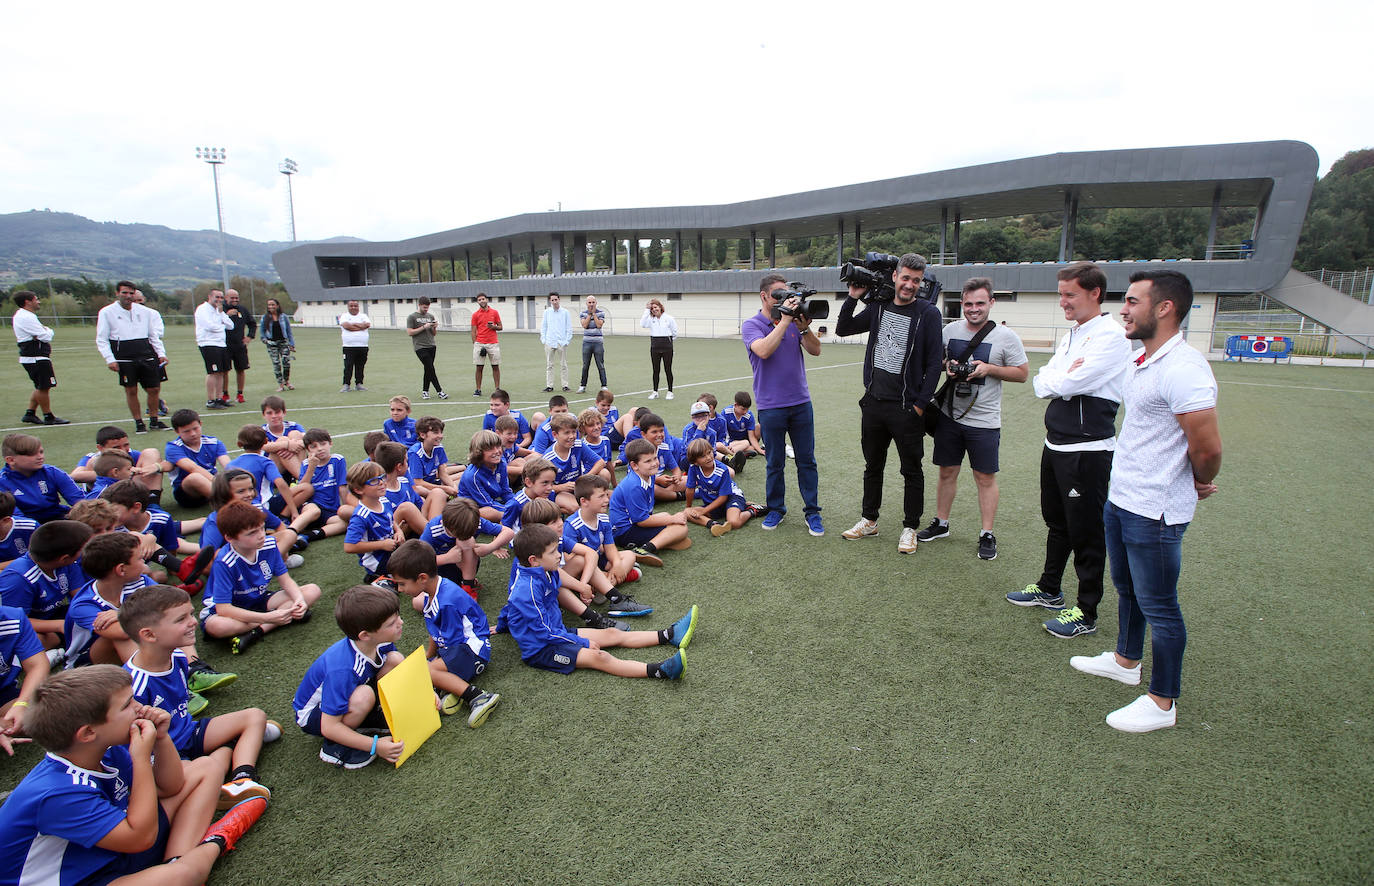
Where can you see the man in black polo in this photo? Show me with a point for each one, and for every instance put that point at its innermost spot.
(236, 340)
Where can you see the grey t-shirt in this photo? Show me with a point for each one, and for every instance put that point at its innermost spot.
(420, 339)
(1001, 347)
(592, 331)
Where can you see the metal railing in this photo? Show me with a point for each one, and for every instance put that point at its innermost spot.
(1356, 284)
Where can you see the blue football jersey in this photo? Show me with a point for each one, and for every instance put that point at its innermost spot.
(331, 679)
(402, 431)
(454, 619)
(206, 455)
(25, 586)
(18, 641)
(329, 481)
(368, 525)
(238, 581)
(167, 690)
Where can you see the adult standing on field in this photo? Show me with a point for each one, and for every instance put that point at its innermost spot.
(353, 332)
(901, 369)
(236, 340)
(281, 344)
(1169, 452)
(775, 343)
(421, 326)
(662, 331)
(35, 355)
(592, 319)
(1083, 382)
(486, 344)
(555, 331)
(128, 335)
(212, 326)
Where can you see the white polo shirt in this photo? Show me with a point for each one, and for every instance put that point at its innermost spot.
(353, 338)
(1151, 474)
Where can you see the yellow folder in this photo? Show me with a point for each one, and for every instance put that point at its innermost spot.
(407, 697)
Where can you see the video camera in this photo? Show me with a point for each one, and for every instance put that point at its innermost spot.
(812, 308)
(874, 273)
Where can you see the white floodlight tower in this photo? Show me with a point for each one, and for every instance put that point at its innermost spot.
(215, 156)
(289, 168)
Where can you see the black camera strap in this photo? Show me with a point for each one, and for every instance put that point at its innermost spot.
(973, 344)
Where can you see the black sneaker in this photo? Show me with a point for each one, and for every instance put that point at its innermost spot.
(987, 546)
(31, 418)
(342, 755)
(738, 460)
(140, 427)
(933, 531)
(158, 424)
(593, 619)
(300, 544)
(386, 584)
(51, 419)
(238, 645)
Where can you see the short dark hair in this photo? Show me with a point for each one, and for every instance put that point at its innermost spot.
(501, 395)
(769, 279)
(68, 700)
(532, 541)
(273, 402)
(57, 539)
(638, 448)
(912, 261)
(316, 435)
(6, 504)
(109, 461)
(390, 455)
(127, 493)
(584, 486)
(1088, 276)
(506, 422)
(252, 438)
(534, 467)
(973, 284)
(742, 398)
(183, 417)
(650, 420)
(460, 518)
(373, 439)
(364, 608)
(424, 300)
(20, 444)
(557, 400)
(106, 551)
(108, 434)
(23, 297)
(412, 559)
(695, 451)
(146, 606)
(428, 424)
(1170, 286)
(125, 284)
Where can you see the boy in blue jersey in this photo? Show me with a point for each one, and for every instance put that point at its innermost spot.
(148, 470)
(596, 445)
(699, 427)
(486, 480)
(453, 535)
(579, 580)
(139, 516)
(459, 648)
(741, 432)
(543, 434)
(321, 494)
(610, 417)
(412, 505)
(500, 405)
(41, 582)
(112, 800)
(373, 532)
(38, 489)
(723, 507)
(110, 467)
(18, 646)
(591, 528)
(15, 530)
(669, 483)
(271, 486)
(160, 620)
(338, 695)
(239, 604)
(536, 624)
(400, 427)
(508, 429)
(714, 420)
(537, 479)
(568, 458)
(428, 466)
(194, 458)
(285, 439)
(631, 508)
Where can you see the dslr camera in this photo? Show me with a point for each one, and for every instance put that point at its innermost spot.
(962, 386)
(812, 308)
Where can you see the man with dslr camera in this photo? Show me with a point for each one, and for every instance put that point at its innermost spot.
(901, 368)
(979, 356)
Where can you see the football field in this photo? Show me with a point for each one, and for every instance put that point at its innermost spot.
(849, 714)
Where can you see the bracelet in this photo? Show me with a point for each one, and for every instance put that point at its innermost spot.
(374, 744)
(20, 704)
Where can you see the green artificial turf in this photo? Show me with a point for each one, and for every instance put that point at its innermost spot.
(849, 715)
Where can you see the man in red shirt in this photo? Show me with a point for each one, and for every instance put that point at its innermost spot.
(486, 322)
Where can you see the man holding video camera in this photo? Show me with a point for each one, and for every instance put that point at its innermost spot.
(901, 368)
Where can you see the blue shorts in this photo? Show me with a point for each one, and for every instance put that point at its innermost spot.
(559, 657)
(9, 693)
(461, 661)
(195, 745)
(636, 535)
(188, 499)
(733, 501)
(125, 864)
(952, 440)
(375, 719)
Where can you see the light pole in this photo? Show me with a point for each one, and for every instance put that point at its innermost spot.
(215, 156)
(288, 168)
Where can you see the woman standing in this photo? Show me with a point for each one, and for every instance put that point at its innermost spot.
(662, 330)
(421, 326)
(281, 344)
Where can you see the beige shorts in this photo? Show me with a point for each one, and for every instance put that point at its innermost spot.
(493, 354)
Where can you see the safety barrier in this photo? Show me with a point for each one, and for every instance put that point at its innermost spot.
(1258, 347)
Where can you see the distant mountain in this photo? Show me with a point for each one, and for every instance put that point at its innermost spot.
(61, 244)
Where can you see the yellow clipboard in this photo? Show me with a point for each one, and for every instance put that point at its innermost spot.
(407, 698)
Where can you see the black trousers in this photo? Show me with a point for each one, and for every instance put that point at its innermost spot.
(661, 353)
(426, 356)
(354, 361)
(1073, 491)
(882, 423)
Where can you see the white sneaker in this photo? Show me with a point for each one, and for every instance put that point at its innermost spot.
(654, 395)
(791, 453)
(1142, 715)
(581, 389)
(1105, 665)
(271, 732)
(907, 543)
(343, 390)
(424, 395)
(863, 529)
(670, 395)
(295, 561)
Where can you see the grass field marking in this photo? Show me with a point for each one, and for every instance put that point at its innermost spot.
(1260, 384)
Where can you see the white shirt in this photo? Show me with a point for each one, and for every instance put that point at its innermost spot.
(352, 338)
(211, 324)
(1151, 473)
(113, 323)
(1106, 353)
(26, 326)
(663, 324)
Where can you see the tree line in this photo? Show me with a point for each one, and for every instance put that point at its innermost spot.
(84, 297)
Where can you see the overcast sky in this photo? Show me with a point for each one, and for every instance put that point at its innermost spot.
(408, 118)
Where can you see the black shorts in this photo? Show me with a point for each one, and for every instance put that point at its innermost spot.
(636, 535)
(42, 374)
(237, 358)
(216, 358)
(147, 374)
(952, 440)
(188, 499)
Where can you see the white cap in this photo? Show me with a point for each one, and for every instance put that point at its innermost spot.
(698, 408)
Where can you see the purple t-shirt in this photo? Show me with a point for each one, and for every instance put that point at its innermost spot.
(781, 379)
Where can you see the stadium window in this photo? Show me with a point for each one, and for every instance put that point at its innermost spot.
(1004, 295)
(954, 308)
(674, 296)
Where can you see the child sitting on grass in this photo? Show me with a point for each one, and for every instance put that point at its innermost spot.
(591, 527)
(536, 624)
(111, 800)
(15, 531)
(486, 480)
(453, 534)
(597, 448)
(514, 453)
(723, 506)
(38, 488)
(110, 467)
(459, 647)
(41, 582)
(195, 459)
(631, 508)
(373, 532)
(148, 469)
(500, 405)
(568, 458)
(428, 462)
(400, 427)
(414, 505)
(238, 602)
(320, 494)
(267, 478)
(580, 581)
(285, 444)
(338, 695)
(18, 645)
(741, 431)
(537, 477)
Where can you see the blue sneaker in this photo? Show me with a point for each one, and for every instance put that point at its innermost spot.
(814, 525)
(1070, 623)
(680, 634)
(673, 668)
(1033, 596)
(773, 519)
(627, 606)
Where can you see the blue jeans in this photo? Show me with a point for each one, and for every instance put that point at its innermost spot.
(798, 423)
(593, 347)
(1145, 557)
